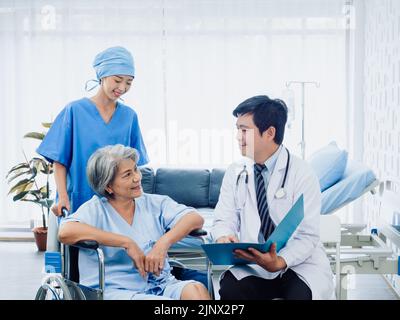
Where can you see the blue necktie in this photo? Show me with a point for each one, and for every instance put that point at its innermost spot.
(267, 226)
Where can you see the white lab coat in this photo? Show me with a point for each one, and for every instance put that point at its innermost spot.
(303, 252)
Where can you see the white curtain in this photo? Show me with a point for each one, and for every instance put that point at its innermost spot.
(195, 61)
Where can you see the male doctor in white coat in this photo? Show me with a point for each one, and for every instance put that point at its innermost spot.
(255, 197)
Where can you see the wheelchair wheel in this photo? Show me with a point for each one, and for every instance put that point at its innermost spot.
(55, 287)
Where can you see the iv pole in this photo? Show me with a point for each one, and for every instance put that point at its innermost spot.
(303, 84)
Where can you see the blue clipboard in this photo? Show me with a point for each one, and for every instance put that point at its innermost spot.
(222, 253)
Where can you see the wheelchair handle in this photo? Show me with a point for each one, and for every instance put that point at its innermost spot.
(64, 212)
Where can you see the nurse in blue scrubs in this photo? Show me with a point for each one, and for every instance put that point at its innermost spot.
(87, 124)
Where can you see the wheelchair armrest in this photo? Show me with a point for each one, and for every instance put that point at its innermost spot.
(94, 245)
(198, 233)
(86, 244)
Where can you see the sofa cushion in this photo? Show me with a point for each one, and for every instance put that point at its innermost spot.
(215, 185)
(329, 164)
(147, 179)
(186, 186)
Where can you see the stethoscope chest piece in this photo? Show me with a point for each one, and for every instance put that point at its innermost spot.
(281, 193)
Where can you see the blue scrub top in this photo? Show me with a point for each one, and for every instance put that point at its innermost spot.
(78, 131)
(154, 215)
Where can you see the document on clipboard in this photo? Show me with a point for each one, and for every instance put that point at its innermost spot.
(222, 253)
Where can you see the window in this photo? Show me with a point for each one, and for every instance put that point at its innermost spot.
(195, 60)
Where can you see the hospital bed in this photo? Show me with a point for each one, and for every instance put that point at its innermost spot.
(372, 248)
(363, 248)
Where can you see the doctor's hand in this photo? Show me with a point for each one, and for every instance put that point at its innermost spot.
(227, 239)
(154, 261)
(270, 261)
(137, 256)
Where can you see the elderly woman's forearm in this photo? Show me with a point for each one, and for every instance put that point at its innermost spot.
(73, 232)
(183, 227)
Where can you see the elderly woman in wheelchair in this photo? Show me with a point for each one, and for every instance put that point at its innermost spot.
(134, 229)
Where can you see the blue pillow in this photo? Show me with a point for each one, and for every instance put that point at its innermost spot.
(329, 164)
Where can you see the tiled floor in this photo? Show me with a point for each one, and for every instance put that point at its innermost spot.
(20, 270)
(21, 273)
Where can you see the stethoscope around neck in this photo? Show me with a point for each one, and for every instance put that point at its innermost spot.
(279, 194)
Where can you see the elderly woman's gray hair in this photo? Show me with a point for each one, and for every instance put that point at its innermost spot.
(103, 166)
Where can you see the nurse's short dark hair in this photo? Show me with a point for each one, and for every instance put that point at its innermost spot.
(266, 113)
(103, 166)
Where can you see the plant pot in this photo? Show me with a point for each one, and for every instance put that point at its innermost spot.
(40, 234)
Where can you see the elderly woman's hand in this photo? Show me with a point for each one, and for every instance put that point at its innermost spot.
(137, 256)
(155, 258)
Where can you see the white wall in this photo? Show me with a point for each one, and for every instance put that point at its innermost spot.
(382, 97)
(382, 91)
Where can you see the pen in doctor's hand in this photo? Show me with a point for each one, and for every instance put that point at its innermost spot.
(227, 239)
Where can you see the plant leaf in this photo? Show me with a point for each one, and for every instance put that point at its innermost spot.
(18, 167)
(30, 200)
(35, 166)
(34, 173)
(40, 164)
(35, 193)
(47, 124)
(20, 195)
(43, 192)
(37, 160)
(17, 174)
(48, 170)
(35, 135)
(20, 186)
(46, 202)
(27, 186)
(23, 187)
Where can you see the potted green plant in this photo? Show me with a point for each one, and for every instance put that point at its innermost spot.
(31, 183)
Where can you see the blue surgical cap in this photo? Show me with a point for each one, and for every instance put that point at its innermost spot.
(114, 61)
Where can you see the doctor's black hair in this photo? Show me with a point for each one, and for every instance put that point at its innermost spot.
(266, 113)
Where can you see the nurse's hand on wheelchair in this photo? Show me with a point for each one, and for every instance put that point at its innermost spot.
(137, 256)
(227, 239)
(270, 261)
(63, 202)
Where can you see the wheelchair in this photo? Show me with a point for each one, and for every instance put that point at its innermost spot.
(61, 264)
(65, 285)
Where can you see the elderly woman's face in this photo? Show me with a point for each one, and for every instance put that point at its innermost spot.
(126, 184)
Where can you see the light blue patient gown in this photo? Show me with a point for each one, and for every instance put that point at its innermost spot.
(154, 214)
(78, 131)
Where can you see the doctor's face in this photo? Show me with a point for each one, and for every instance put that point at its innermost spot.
(115, 86)
(246, 134)
(252, 144)
(127, 181)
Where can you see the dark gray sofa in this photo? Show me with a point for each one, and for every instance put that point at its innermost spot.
(197, 188)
